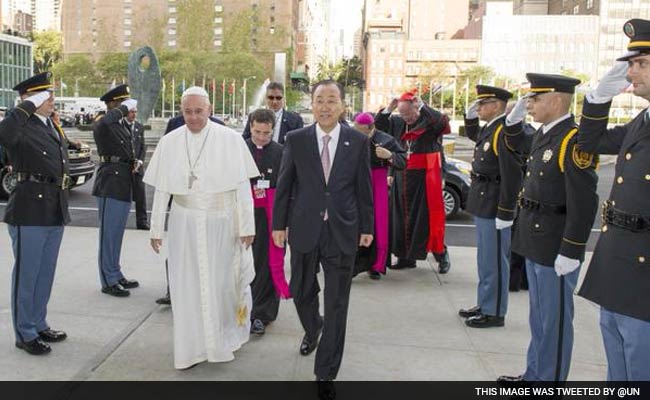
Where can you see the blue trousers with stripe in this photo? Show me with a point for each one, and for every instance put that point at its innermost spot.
(551, 323)
(36, 250)
(627, 346)
(113, 215)
(493, 258)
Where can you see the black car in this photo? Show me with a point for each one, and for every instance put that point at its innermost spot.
(82, 169)
(457, 181)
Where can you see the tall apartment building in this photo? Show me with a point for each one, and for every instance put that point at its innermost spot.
(47, 14)
(530, 7)
(406, 39)
(12, 14)
(312, 39)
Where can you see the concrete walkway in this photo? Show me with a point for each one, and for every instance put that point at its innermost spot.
(403, 327)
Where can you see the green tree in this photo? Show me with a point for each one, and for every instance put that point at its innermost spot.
(113, 66)
(48, 48)
(194, 22)
(78, 74)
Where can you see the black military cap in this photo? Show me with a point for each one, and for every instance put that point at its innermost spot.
(36, 83)
(490, 92)
(638, 30)
(550, 83)
(117, 93)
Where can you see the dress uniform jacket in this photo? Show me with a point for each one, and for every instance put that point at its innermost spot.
(34, 149)
(618, 278)
(139, 146)
(496, 170)
(558, 200)
(113, 139)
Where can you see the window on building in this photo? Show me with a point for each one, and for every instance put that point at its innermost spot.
(590, 4)
(127, 32)
(171, 31)
(171, 20)
(576, 9)
(171, 43)
(218, 8)
(127, 43)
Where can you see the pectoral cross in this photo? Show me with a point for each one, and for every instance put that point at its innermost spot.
(191, 180)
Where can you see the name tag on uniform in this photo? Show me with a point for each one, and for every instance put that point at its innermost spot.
(263, 184)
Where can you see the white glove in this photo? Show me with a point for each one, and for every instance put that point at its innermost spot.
(503, 224)
(130, 104)
(39, 98)
(519, 111)
(472, 111)
(565, 265)
(614, 82)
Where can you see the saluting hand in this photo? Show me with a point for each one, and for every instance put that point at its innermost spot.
(519, 111)
(472, 110)
(613, 83)
(393, 105)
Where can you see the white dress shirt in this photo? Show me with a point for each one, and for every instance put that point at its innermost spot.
(550, 126)
(278, 125)
(334, 134)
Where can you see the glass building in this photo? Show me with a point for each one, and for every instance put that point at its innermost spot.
(16, 65)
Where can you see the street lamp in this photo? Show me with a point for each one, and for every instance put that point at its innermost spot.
(245, 88)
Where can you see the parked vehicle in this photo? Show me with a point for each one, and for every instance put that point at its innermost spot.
(457, 182)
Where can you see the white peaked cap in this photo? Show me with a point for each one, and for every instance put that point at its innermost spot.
(195, 91)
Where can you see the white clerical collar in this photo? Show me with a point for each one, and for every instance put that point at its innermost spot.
(491, 122)
(552, 125)
(334, 134)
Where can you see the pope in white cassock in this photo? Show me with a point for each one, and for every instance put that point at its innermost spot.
(206, 168)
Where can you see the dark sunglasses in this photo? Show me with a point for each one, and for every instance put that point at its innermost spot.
(274, 97)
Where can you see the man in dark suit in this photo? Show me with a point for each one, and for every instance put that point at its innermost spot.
(285, 121)
(324, 198)
(140, 150)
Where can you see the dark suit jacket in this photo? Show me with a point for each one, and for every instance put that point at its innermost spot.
(139, 146)
(302, 196)
(290, 121)
(178, 121)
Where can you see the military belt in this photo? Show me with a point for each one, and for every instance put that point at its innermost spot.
(485, 178)
(115, 159)
(621, 219)
(63, 182)
(538, 206)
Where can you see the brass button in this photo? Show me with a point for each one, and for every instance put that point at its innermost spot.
(117, 173)
(541, 173)
(641, 259)
(523, 190)
(604, 228)
(482, 193)
(40, 196)
(619, 180)
(613, 203)
(45, 153)
(536, 225)
(628, 156)
(482, 158)
(647, 177)
(528, 173)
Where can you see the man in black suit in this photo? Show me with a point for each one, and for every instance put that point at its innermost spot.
(140, 150)
(324, 198)
(285, 121)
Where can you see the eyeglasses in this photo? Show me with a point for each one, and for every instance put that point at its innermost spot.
(274, 98)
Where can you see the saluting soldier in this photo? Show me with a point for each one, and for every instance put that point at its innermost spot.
(37, 209)
(496, 180)
(618, 278)
(557, 205)
(113, 187)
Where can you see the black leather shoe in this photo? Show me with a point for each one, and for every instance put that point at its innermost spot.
(34, 347)
(485, 321)
(512, 381)
(374, 275)
(257, 327)
(128, 283)
(165, 301)
(143, 227)
(403, 263)
(307, 346)
(52, 336)
(116, 290)
(326, 390)
(444, 264)
(470, 312)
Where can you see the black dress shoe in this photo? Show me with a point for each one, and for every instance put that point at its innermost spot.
(444, 264)
(128, 283)
(512, 381)
(34, 347)
(471, 312)
(165, 300)
(52, 336)
(485, 321)
(307, 346)
(116, 290)
(257, 327)
(403, 263)
(326, 390)
(374, 275)
(143, 227)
